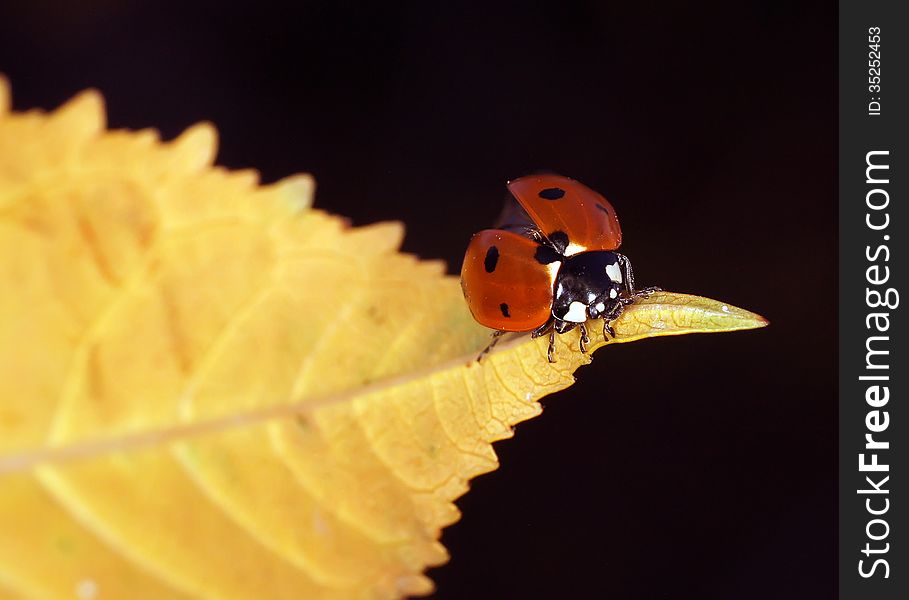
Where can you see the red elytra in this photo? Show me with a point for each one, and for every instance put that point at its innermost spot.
(507, 278)
(558, 204)
(505, 286)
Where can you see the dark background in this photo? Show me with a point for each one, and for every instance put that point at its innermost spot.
(690, 467)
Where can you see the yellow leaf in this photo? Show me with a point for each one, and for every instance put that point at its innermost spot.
(208, 388)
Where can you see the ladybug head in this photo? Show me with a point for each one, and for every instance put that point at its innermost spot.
(590, 285)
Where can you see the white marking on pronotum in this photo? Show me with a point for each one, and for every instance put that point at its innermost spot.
(573, 249)
(577, 313)
(600, 307)
(613, 294)
(614, 272)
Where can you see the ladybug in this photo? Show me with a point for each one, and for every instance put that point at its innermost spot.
(551, 266)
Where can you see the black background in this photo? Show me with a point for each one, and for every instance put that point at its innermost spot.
(690, 467)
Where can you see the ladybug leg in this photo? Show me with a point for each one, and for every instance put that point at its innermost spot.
(583, 340)
(613, 314)
(628, 277)
(547, 327)
(559, 326)
(644, 292)
(627, 274)
(492, 343)
(542, 329)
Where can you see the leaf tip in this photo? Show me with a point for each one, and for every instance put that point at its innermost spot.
(386, 236)
(297, 190)
(196, 146)
(743, 319)
(82, 116)
(415, 585)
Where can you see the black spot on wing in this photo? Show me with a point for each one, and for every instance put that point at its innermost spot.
(551, 193)
(545, 255)
(602, 208)
(504, 308)
(492, 259)
(559, 239)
